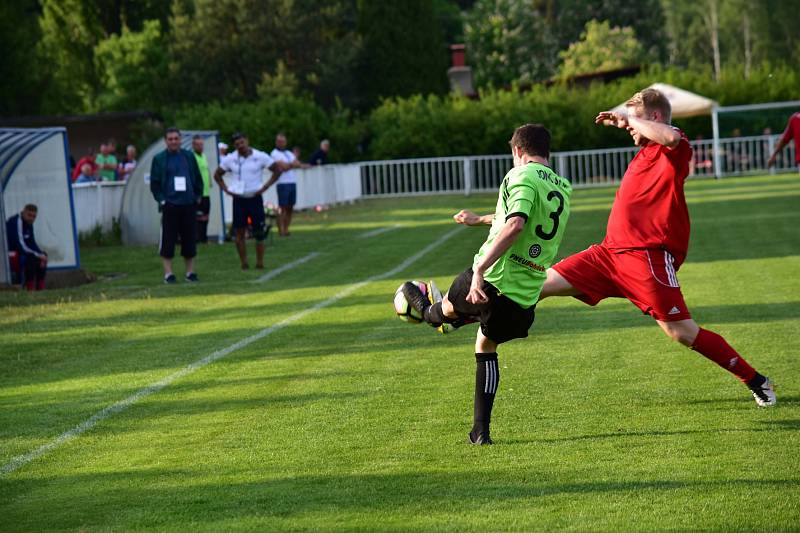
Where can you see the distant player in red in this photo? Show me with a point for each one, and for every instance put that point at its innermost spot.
(647, 239)
(792, 132)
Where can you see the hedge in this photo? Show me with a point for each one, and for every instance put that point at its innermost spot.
(432, 126)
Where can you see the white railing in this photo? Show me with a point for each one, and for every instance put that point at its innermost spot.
(332, 184)
(97, 203)
(316, 186)
(585, 168)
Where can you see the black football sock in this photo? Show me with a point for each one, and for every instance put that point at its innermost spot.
(435, 316)
(487, 377)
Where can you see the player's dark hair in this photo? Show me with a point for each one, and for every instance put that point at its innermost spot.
(238, 135)
(197, 136)
(533, 139)
(30, 207)
(171, 129)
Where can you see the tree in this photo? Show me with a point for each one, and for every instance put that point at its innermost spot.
(601, 48)
(403, 52)
(744, 33)
(132, 68)
(70, 31)
(19, 78)
(646, 17)
(509, 41)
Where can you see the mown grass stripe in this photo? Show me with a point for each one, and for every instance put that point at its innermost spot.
(21, 460)
(376, 232)
(288, 266)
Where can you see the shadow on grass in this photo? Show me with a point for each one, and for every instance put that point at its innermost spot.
(774, 425)
(73, 354)
(728, 229)
(782, 401)
(174, 498)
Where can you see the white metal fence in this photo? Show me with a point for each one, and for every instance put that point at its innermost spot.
(585, 168)
(97, 204)
(100, 203)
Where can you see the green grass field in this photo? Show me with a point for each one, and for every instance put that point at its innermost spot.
(344, 418)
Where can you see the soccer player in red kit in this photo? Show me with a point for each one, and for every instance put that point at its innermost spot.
(792, 131)
(647, 239)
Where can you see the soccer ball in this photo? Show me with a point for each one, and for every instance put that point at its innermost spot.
(403, 309)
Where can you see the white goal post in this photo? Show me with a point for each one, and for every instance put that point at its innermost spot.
(717, 110)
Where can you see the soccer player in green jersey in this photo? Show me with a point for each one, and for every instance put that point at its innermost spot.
(501, 288)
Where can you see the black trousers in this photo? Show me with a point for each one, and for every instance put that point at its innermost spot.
(203, 209)
(178, 221)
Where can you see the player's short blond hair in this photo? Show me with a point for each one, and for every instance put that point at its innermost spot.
(652, 100)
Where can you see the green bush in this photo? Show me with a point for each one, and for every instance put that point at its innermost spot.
(302, 120)
(452, 125)
(437, 126)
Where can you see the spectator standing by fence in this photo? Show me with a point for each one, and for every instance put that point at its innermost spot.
(107, 162)
(320, 156)
(246, 166)
(32, 259)
(287, 184)
(792, 132)
(128, 165)
(204, 207)
(177, 186)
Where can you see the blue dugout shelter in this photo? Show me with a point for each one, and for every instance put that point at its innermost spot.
(34, 169)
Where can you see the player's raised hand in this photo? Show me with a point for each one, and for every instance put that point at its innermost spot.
(468, 218)
(612, 118)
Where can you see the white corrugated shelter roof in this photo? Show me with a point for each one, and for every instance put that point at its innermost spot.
(684, 103)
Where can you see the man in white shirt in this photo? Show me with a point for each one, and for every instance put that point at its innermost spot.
(246, 166)
(287, 184)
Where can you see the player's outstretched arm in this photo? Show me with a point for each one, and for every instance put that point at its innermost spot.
(468, 218)
(658, 132)
(511, 230)
(778, 147)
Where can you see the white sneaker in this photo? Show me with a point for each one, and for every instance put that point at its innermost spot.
(764, 394)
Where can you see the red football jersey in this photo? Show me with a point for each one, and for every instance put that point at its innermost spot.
(793, 130)
(650, 210)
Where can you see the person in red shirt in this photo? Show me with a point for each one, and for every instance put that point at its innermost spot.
(792, 132)
(88, 159)
(647, 239)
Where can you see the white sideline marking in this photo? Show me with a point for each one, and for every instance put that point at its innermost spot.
(22, 460)
(378, 231)
(288, 266)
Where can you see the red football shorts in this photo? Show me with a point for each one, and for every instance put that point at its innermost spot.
(646, 277)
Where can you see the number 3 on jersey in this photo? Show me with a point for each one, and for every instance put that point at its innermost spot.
(554, 215)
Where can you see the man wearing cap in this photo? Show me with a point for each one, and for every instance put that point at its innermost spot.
(246, 166)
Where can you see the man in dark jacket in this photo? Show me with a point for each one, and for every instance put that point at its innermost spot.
(177, 187)
(32, 260)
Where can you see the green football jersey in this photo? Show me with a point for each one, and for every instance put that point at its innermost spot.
(542, 196)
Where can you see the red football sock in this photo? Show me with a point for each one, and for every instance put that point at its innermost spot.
(714, 347)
